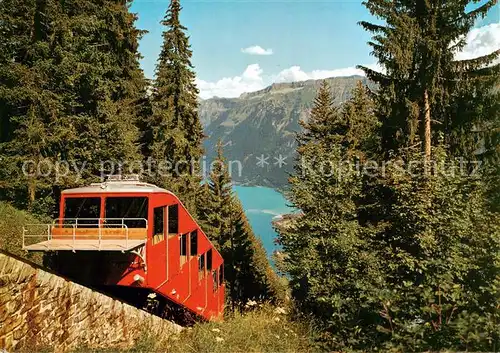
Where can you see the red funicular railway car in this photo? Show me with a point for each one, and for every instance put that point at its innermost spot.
(137, 238)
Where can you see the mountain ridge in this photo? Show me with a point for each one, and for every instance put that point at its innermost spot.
(258, 129)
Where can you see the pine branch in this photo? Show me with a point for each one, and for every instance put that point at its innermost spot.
(372, 27)
(476, 63)
(375, 76)
(480, 11)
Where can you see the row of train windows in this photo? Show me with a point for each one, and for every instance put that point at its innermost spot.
(132, 211)
(193, 242)
(172, 221)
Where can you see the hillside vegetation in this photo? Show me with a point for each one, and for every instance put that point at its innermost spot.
(396, 247)
(263, 329)
(12, 221)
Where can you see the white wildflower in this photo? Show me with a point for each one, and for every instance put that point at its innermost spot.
(251, 303)
(279, 310)
(215, 330)
(219, 339)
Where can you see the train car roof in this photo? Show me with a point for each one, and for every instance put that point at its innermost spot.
(117, 187)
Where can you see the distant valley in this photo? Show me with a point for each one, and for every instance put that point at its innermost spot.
(258, 129)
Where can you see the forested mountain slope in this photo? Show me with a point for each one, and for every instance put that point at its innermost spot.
(263, 124)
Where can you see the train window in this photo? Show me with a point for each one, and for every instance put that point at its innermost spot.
(132, 211)
(183, 249)
(173, 219)
(193, 238)
(159, 224)
(209, 260)
(201, 266)
(221, 275)
(82, 207)
(184, 245)
(214, 280)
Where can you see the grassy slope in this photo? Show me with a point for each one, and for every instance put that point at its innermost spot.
(266, 329)
(11, 231)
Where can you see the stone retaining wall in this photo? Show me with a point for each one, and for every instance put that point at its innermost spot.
(39, 309)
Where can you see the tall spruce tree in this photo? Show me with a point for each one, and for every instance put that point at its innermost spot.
(440, 278)
(439, 245)
(217, 211)
(30, 107)
(424, 91)
(328, 253)
(248, 273)
(70, 81)
(174, 133)
(394, 259)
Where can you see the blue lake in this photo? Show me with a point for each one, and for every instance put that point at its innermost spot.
(261, 205)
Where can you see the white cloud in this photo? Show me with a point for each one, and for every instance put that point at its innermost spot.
(251, 80)
(481, 41)
(295, 73)
(257, 50)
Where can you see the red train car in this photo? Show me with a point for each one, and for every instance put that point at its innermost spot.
(129, 234)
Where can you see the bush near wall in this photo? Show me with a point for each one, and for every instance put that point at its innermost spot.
(12, 221)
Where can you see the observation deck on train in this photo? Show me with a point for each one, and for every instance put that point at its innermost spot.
(108, 216)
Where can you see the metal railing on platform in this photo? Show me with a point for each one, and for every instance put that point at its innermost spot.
(82, 229)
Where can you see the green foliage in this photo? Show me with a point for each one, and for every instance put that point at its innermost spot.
(332, 267)
(440, 246)
(396, 259)
(70, 83)
(248, 274)
(416, 45)
(266, 329)
(174, 133)
(11, 231)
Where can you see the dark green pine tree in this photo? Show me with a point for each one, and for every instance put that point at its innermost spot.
(217, 212)
(441, 279)
(70, 81)
(174, 135)
(248, 272)
(327, 251)
(25, 109)
(248, 268)
(438, 245)
(424, 91)
(319, 126)
(361, 130)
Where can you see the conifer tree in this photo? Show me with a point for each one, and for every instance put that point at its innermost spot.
(440, 284)
(396, 260)
(327, 250)
(217, 211)
(70, 81)
(439, 245)
(320, 124)
(247, 270)
(361, 131)
(29, 107)
(175, 133)
(424, 91)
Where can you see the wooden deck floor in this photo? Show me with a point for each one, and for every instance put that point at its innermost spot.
(86, 245)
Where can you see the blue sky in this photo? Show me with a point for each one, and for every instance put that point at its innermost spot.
(305, 36)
